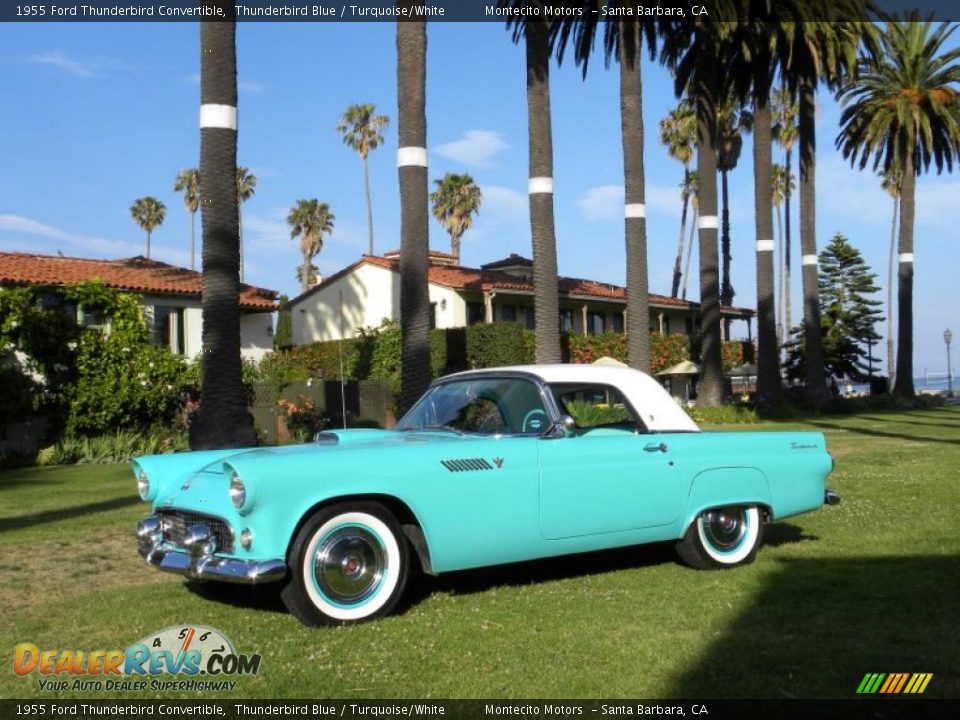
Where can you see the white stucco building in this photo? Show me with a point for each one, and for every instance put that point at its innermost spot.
(170, 296)
(366, 292)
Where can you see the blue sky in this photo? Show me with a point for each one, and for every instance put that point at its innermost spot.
(96, 115)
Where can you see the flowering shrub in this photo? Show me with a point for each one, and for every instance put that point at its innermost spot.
(303, 417)
(665, 350)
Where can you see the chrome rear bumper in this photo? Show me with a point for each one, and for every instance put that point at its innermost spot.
(830, 497)
(198, 560)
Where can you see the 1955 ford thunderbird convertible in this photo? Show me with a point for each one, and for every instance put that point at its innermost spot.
(489, 467)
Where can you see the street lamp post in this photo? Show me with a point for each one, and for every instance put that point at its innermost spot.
(947, 338)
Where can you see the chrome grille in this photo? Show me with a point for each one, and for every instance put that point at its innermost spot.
(175, 524)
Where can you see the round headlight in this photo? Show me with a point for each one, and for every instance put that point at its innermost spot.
(238, 491)
(143, 485)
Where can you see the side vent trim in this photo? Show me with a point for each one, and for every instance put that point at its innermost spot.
(466, 464)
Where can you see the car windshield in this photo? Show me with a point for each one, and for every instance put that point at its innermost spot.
(488, 406)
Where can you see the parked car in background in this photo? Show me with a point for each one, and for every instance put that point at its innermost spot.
(489, 467)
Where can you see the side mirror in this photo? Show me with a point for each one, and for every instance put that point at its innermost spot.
(560, 428)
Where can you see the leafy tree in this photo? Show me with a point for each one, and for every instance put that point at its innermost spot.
(246, 187)
(678, 132)
(309, 220)
(188, 182)
(903, 112)
(148, 213)
(455, 201)
(313, 275)
(414, 207)
(362, 129)
(283, 337)
(848, 313)
(223, 420)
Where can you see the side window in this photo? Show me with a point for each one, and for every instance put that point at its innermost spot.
(593, 405)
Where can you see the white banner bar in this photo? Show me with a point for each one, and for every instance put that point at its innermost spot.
(764, 245)
(906, 257)
(635, 210)
(541, 185)
(218, 116)
(411, 157)
(809, 260)
(707, 222)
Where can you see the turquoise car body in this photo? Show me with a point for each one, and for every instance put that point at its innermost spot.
(467, 501)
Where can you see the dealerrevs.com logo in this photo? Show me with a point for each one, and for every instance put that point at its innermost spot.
(181, 650)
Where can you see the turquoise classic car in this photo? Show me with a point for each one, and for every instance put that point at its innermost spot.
(489, 467)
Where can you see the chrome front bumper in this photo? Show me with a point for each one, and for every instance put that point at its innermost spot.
(198, 560)
(830, 497)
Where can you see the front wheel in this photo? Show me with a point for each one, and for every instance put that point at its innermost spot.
(348, 563)
(722, 538)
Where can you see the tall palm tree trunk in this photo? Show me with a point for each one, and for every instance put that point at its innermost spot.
(545, 287)
(414, 226)
(675, 286)
(768, 365)
(780, 330)
(710, 389)
(366, 190)
(686, 265)
(891, 358)
(904, 382)
(726, 288)
(193, 239)
(635, 223)
(240, 237)
(455, 245)
(785, 287)
(148, 244)
(816, 384)
(223, 419)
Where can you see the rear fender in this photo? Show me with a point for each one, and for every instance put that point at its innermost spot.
(726, 486)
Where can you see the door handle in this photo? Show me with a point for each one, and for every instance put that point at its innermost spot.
(654, 447)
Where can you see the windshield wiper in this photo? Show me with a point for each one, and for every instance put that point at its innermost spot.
(443, 428)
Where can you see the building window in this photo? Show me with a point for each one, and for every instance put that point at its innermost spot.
(475, 313)
(168, 328)
(508, 313)
(688, 325)
(596, 323)
(89, 318)
(529, 319)
(566, 321)
(616, 322)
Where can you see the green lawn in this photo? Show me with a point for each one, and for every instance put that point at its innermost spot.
(872, 585)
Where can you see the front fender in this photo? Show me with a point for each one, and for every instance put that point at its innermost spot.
(726, 486)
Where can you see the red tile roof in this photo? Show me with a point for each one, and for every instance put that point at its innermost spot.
(136, 274)
(458, 277)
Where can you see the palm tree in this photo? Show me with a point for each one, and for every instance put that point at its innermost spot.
(309, 220)
(785, 111)
(781, 187)
(827, 50)
(891, 185)
(678, 131)
(223, 419)
(246, 187)
(622, 40)
(732, 122)
(362, 130)
(148, 213)
(903, 112)
(691, 191)
(313, 276)
(455, 201)
(188, 182)
(414, 207)
(534, 31)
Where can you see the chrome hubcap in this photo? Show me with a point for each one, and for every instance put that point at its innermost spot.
(724, 528)
(349, 564)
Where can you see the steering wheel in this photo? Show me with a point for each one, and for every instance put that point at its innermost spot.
(534, 421)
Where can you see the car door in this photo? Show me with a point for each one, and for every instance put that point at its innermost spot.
(604, 475)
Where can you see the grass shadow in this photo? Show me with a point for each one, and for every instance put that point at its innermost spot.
(881, 433)
(777, 534)
(21, 521)
(265, 597)
(816, 626)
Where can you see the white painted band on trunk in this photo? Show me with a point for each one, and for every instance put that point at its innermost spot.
(411, 157)
(218, 116)
(906, 257)
(764, 245)
(541, 185)
(707, 222)
(809, 260)
(635, 210)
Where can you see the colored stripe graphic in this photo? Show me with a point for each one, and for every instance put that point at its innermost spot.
(894, 683)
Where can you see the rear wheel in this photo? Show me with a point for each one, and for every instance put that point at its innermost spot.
(722, 537)
(348, 563)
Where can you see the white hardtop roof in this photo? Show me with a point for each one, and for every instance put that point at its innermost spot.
(658, 410)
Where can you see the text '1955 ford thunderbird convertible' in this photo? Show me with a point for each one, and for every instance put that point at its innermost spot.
(489, 467)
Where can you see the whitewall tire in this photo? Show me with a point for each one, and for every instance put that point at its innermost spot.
(722, 537)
